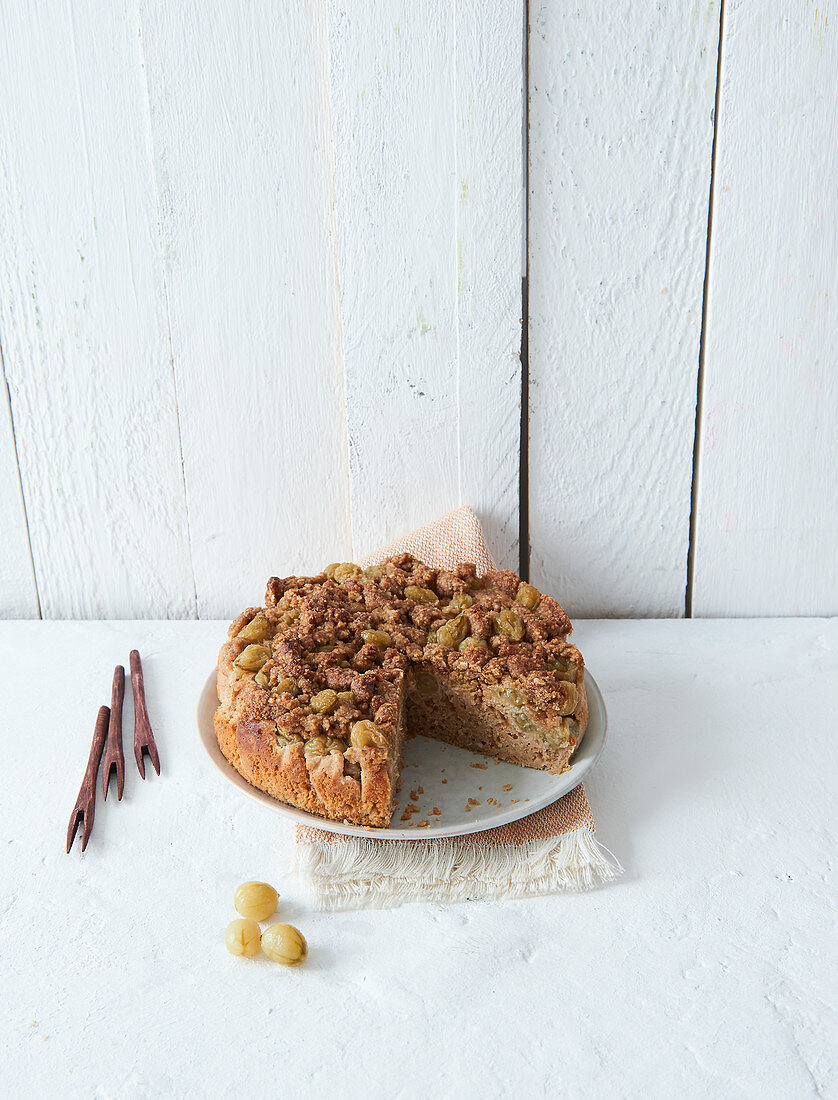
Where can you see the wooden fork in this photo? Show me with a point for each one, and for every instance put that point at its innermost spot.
(143, 737)
(86, 802)
(114, 759)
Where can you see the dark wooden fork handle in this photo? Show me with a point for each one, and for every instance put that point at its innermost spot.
(143, 737)
(86, 802)
(114, 757)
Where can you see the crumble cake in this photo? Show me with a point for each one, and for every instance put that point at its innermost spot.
(320, 687)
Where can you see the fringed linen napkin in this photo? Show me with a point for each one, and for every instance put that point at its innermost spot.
(550, 850)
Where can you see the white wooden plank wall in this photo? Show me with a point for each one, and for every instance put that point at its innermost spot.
(260, 298)
(426, 100)
(767, 506)
(621, 131)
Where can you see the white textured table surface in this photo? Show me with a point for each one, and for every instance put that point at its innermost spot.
(709, 969)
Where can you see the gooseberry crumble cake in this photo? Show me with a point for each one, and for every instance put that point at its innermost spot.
(320, 688)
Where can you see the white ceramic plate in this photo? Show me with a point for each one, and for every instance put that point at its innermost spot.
(447, 778)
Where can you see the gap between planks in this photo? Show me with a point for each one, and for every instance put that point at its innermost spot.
(524, 459)
(699, 399)
(20, 483)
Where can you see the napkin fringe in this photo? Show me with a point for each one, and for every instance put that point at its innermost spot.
(378, 874)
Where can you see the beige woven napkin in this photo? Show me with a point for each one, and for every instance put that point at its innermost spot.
(553, 849)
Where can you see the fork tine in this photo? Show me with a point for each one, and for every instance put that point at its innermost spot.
(88, 827)
(151, 749)
(138, 756)
(73, 827)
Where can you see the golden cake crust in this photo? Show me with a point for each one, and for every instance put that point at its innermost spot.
(284, 776)
(313, 685)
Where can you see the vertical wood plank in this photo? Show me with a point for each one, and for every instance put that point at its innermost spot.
(490, 183)
(82, 316)
(426, 109)
(394, 116)
(239, 107)
(621, 129)
(18, 594)
(767, 502)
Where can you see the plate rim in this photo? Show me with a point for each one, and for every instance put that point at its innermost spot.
(566, 782)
